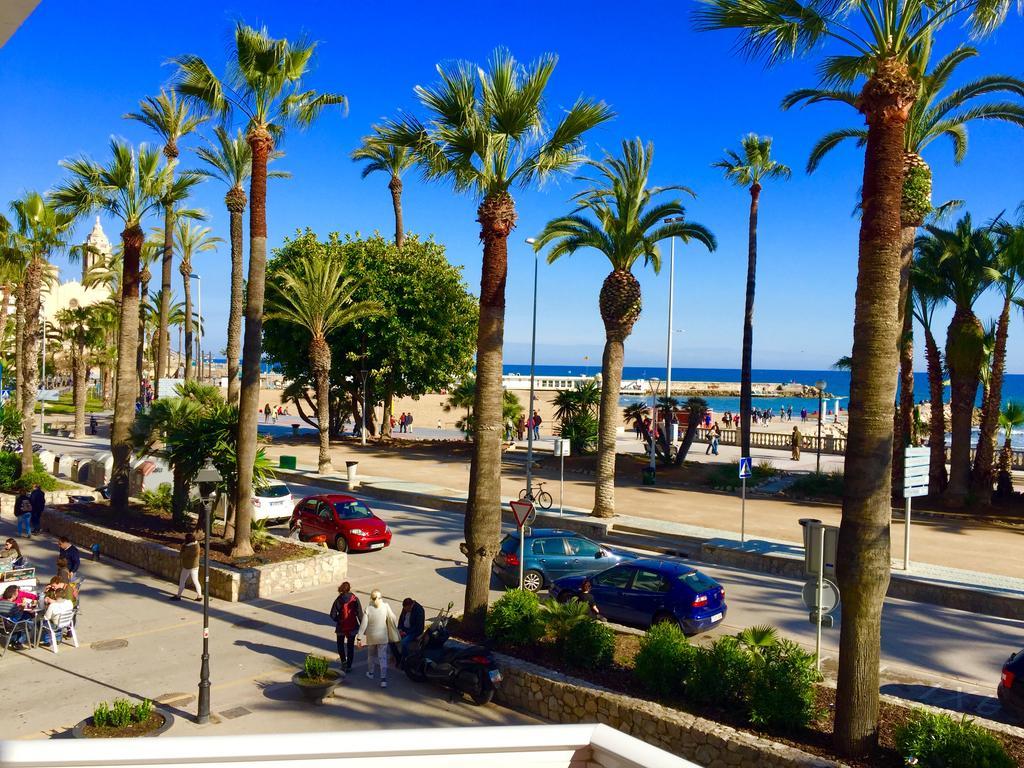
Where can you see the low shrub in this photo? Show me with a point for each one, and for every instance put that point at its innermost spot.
(589, 643)
(121, 713)
(259, 535)
(10, 468)
(514, 620)
(939, 741)
(29, 480)
(665, 659)
(728, 475)
(560, 618)
(817, 485)
(720, 674)
(782, 687)
(158, 501)
(315, 668)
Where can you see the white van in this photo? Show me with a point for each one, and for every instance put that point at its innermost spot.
(272, 502)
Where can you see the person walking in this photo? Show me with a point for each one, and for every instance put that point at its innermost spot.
(408, 422)
(537, 420)
(713, 434)
(347, 615)
(38, 500)
(266, 413)
(520, 427)
(795, 442)
(401, 422)
(377, 628)
(23, 512)
(188, 560)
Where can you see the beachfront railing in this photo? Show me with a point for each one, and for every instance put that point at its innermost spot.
(830, 444)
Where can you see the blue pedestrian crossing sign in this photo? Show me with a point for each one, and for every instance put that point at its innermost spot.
(745, 470)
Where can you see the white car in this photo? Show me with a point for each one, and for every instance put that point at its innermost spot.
(272, 502)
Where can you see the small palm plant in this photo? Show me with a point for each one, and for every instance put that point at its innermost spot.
(316, 291)
(1011, 417)
(756, 639)
(191, 240)
(560, 618)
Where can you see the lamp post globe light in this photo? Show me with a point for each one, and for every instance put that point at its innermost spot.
(207, 480)
(821, 395)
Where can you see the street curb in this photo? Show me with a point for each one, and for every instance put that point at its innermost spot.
(959, 597)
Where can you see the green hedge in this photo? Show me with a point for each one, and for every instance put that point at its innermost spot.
(589, 644)
(515, 619)
(665, 659)
(939, 741)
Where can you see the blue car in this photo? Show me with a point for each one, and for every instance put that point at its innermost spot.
(551, 554)
(646, 591)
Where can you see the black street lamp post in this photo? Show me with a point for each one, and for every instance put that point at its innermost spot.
(207, 478)
(821, 395)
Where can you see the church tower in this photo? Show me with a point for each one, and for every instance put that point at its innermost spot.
(97, 248)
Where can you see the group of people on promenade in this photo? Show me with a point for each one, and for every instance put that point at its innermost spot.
(22, 608)
(28, 509)
(272, 414)
(523, 426)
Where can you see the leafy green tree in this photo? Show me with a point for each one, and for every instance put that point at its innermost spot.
(748, 169)
(617, 217)
(1008, 276)
(381, 156)
(191, 240)
(927, 295)
(230, 161)
(315, 291)
(80, 331)
(171, 120)
(487, 133)
(130, 187)
(264, 83)
(40, 230)
(873, 43)
(966, 258)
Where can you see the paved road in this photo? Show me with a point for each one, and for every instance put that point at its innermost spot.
(938, 655)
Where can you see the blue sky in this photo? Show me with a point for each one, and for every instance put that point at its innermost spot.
(73, 69)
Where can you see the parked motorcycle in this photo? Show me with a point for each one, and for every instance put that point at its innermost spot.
(463, 669)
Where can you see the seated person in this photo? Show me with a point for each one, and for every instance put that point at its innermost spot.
(10, 610)
(13, 551)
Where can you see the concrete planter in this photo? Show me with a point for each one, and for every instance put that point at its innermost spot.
(78, 732)
(316, 692)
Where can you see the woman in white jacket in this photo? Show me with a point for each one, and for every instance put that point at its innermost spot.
(373, 630)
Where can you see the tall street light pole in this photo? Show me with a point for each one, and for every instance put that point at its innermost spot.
(362, 415)
(531, 427)
(207, 478)
(821, 394)
(668, 352)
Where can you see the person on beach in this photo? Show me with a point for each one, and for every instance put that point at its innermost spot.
(795, 441)
(401, 422)
(266, 413)
(408, 422)
(377, 628)
(347, 615)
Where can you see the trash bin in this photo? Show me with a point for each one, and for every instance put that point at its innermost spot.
(649, 474)
(352, 468)
(287, 462)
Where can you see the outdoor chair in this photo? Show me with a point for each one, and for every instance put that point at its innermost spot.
(55, 630)
(10, 628)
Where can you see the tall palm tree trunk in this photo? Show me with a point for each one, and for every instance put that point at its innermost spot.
(748, 324)
(5, 305)
(395, 185)
(608, 422)
(163, 352)
(236, 202)
(937, 422)
(29, 350)
(79, 377)
(320, 367)
(863, 558)
(904, 427)
(186, 270)
(261, 145)
(497, 217)
(140, 356)
(389, 409)
(19, 341)
(983, 470)
(964, 355)
(124, 395)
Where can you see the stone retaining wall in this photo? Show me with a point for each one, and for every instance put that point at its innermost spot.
(562, 699)
(322, 567)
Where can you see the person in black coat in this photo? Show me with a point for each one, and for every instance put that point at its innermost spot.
(38, 500)
(69, 552)
(411, 622)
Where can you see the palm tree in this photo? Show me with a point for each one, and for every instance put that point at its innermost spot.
(131, 187)
(1008, 275)
(151, 251)
(191, 240)
(231, 162)
(171, 120)
(264, 84)
(81, 333)
(926, 292)
(40, 230)
(1011, 417)
(749, 169)
(966, 257)
(626, 225)
(935, 114)
(316, 293)
(874, 42)
(487, 133)
(381, 156)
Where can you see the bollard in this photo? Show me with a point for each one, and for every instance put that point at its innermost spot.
(352, 469)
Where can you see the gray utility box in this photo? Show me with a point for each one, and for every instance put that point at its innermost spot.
(812, 542)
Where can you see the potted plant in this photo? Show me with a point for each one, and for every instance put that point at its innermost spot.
(316, 680)
(122, 719)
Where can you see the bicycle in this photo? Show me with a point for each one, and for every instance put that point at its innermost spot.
(541, 498)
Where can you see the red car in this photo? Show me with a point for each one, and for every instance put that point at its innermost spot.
(344, 522)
